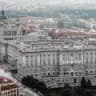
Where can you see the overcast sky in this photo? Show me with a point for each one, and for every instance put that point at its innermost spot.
(46, 2)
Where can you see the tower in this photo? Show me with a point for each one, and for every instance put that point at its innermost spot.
(2, 13)
(3, 16)
(18, 29)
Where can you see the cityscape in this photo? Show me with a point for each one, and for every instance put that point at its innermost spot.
(47, 49)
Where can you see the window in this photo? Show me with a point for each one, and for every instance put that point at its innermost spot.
(53, 58)
(44, 62)
(87, 72)
(75, 80)
(27, 61)
(64, 73)
(48, 74)
(36, 60)
(91, 72)
(76, 73)
(48, 58)
(72, 73)
(71, 54)
(67, 73)
(58, 73)
(31, 60)
(79, 56)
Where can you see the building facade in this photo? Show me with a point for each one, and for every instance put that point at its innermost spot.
(54, 61)
(8, 87)
(58, 61)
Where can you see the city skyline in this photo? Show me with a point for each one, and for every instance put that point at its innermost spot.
(52, 1)
(66, 3)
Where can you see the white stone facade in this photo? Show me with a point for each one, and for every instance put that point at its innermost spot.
(56, 63)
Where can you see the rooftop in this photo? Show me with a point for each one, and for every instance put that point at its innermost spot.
(5, 80)
(7, 84)
(8, 87)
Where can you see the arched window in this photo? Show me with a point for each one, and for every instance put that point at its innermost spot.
(48, 74)
(76, 73)
(57, 73)
(91, 72)
(87, 72)
(75, 80)
(80, 73)
(64, 73)
(72, 73)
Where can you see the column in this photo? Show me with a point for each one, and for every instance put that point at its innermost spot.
(6, 53)
(33, 60)
(46, 59)
(29, 61)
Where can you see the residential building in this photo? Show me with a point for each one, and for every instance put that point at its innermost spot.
(8, 87)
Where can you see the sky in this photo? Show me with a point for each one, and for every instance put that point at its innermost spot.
(53, 1)
(4, 3)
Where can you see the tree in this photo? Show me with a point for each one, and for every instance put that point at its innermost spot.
(34, 83)
(89, 84)
(67, 86)
(83, 82)
(67, 92)
(83, 86)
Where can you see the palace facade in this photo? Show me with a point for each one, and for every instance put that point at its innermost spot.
(58, 61)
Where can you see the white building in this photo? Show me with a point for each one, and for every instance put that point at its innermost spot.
(57, 62)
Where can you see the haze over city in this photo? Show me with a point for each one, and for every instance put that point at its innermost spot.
(13, 4)
(48, 47)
